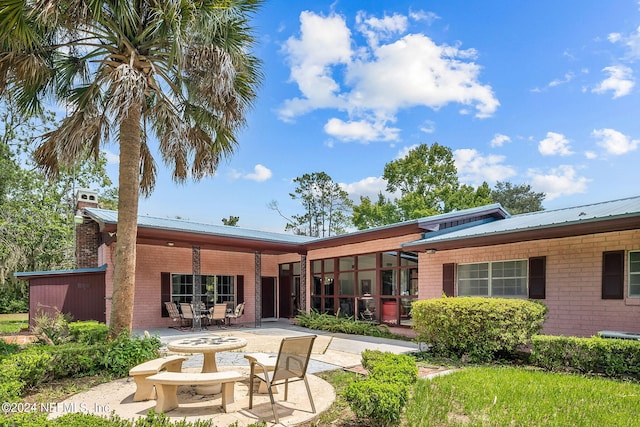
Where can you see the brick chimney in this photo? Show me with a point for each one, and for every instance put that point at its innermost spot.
(87, 230)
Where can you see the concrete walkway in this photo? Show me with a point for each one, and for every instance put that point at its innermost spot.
(331, 351)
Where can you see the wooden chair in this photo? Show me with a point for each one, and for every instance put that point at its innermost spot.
(218, 314)
(291, 365)
(238, 312)
(175, 315)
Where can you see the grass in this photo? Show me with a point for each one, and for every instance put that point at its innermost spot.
(13, 323)
(501, 396)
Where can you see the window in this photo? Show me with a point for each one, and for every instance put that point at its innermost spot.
(634, 274)
(498, 279)
(213, 289)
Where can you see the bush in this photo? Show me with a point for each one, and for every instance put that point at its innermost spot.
(479, 329)
(610, 357)
(76, 360)
(379, 402)
(345, 325)
(52, 329)
(381, 397)
(389, 367)
(126, 351)
(88, 332)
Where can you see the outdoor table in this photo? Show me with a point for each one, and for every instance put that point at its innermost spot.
(208, 346)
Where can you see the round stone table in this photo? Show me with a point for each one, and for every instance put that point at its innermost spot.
(208, 346)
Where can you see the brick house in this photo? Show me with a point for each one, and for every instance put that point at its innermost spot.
(582, 262)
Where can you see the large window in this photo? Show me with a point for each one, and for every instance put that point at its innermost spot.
(374, 287)
(497, 279)
(213, 288)
(634, 274)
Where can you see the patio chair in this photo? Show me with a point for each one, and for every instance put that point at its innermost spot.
(291, 365)
(218, 314)
(238, 312)
(187, 311)
(175, 315)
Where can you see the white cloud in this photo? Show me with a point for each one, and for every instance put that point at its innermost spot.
(474, 169)
(360, 130)
(112, 158)
(428, 126)
(620, 81)
(392, 72)
(376, 29)
(324, 41)
(630, 42)
(561, 181)
(421, 15)
(367, 187)
(590, 155)
(499, 140)
(404, 152)
(555, 144)
(260, 174)
(566, 79)
(615, 142)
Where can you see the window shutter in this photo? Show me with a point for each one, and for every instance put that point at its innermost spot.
(613, 275)
(537, 277)
(165, 292)
(449, 279)
(240, 289)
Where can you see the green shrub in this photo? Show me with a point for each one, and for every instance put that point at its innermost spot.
(88, 332)
(76, 360)
(52, 329)
(7, 349)
(379, 402)
(126, 351)
(610, 357)
(31, 366)
(389, 367)
(345, 325)
(479, 329)
(381, 397)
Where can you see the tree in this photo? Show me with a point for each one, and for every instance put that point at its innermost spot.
(517, 199)
(325, 204)
(182, 71)
(426, 177)
(469, 197)
(232, 221)
(382, 212)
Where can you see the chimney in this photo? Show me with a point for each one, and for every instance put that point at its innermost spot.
(87, 230)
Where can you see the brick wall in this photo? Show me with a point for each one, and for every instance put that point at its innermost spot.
(87, 242)
(573, 279)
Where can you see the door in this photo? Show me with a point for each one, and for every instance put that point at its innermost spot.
(285, 297)
(268, 297)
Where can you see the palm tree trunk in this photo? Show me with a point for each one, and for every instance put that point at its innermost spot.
(129, 189)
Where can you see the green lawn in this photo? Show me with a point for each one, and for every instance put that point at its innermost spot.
(12, 323)
(505, 396)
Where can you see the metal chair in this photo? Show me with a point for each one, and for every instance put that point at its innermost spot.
(218, 314)
(238, 312)
(291, 365)
(175, 315)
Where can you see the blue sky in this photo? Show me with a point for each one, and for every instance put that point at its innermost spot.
(540, 92)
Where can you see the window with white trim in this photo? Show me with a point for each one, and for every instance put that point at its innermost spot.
(634, 274)
(493, 279)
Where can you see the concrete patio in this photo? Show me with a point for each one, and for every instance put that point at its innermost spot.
(331, 351)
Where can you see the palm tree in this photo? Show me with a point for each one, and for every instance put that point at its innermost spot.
(180, 70)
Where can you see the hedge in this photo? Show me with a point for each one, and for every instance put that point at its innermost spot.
(477, 328)
(614, 358)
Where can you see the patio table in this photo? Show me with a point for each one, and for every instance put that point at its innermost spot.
(208, 346)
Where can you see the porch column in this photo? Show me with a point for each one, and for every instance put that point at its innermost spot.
(303, 282)
(197, 291)
(258, 285)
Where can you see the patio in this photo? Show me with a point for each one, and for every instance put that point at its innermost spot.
(330, 351)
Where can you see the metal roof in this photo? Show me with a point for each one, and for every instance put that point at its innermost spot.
(26, 274)
(144, 221)
(615, 209)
